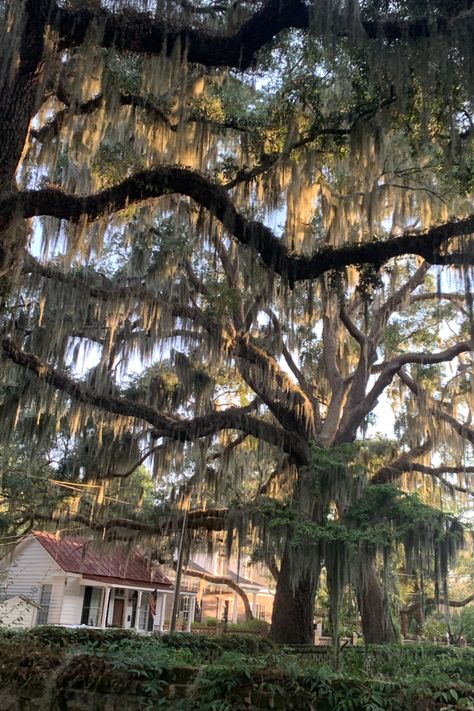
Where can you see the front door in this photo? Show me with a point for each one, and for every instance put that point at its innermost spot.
(117, 617)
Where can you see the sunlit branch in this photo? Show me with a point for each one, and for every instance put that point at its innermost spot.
(357, 414)
(436, 408)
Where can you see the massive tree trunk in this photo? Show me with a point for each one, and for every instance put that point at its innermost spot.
(292, 616)
(22, 63)
(374, 608)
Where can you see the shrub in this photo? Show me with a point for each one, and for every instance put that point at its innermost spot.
(254, 625)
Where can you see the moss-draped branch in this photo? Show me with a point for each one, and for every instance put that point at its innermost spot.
(183, 430)
(168, 179)
(356, 413)
(139, 32)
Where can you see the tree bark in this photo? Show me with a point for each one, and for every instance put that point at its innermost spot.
(20, 89)
(292, 615)
(377, 623)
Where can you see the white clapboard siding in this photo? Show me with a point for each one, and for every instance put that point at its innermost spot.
(73, 598)
(31, 568)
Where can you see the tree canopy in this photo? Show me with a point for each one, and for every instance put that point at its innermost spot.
(228, 232)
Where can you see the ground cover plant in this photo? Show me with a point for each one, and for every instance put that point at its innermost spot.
(191, 672)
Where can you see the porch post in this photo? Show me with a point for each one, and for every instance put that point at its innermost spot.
(235, 609)
(163, 611)
(137, 611)
(254, 604)
(105, 607)
(192, 607)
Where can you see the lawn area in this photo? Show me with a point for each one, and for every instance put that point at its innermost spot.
(86, 670)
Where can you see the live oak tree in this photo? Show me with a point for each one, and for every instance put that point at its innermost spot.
(275, 195)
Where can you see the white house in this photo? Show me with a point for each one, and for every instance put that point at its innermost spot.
(75, 583)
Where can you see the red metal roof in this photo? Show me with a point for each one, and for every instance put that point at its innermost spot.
(78, 555)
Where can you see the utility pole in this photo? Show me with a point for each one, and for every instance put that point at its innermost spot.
(179, 565)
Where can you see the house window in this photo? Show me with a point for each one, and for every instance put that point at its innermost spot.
(91, 606)
(260, 612)
(45, 603)
(143, 613)
(184, 604)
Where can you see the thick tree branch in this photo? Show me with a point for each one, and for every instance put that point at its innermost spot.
(286, 400)
(444, 469)
(357, 413)
(167, 180)
(135, 31)
(394, 469)
(440, 601)
(138, 32)
(350, 326)
(302, 382)
(199, 519)
(164, 425)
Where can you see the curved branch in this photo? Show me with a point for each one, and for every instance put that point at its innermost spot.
(139, 32)
(285, 399)
(279, 469)
(435, 471)
(356, 414)
(154, 111)
(304, 385)
(441, 601)
(221, 454)
(108, 291)
(165, 425)
(135, 31)
(382, 314)
(437, 410)
(223, 580)
(350, 326)
(457, 299)
(167, 180)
